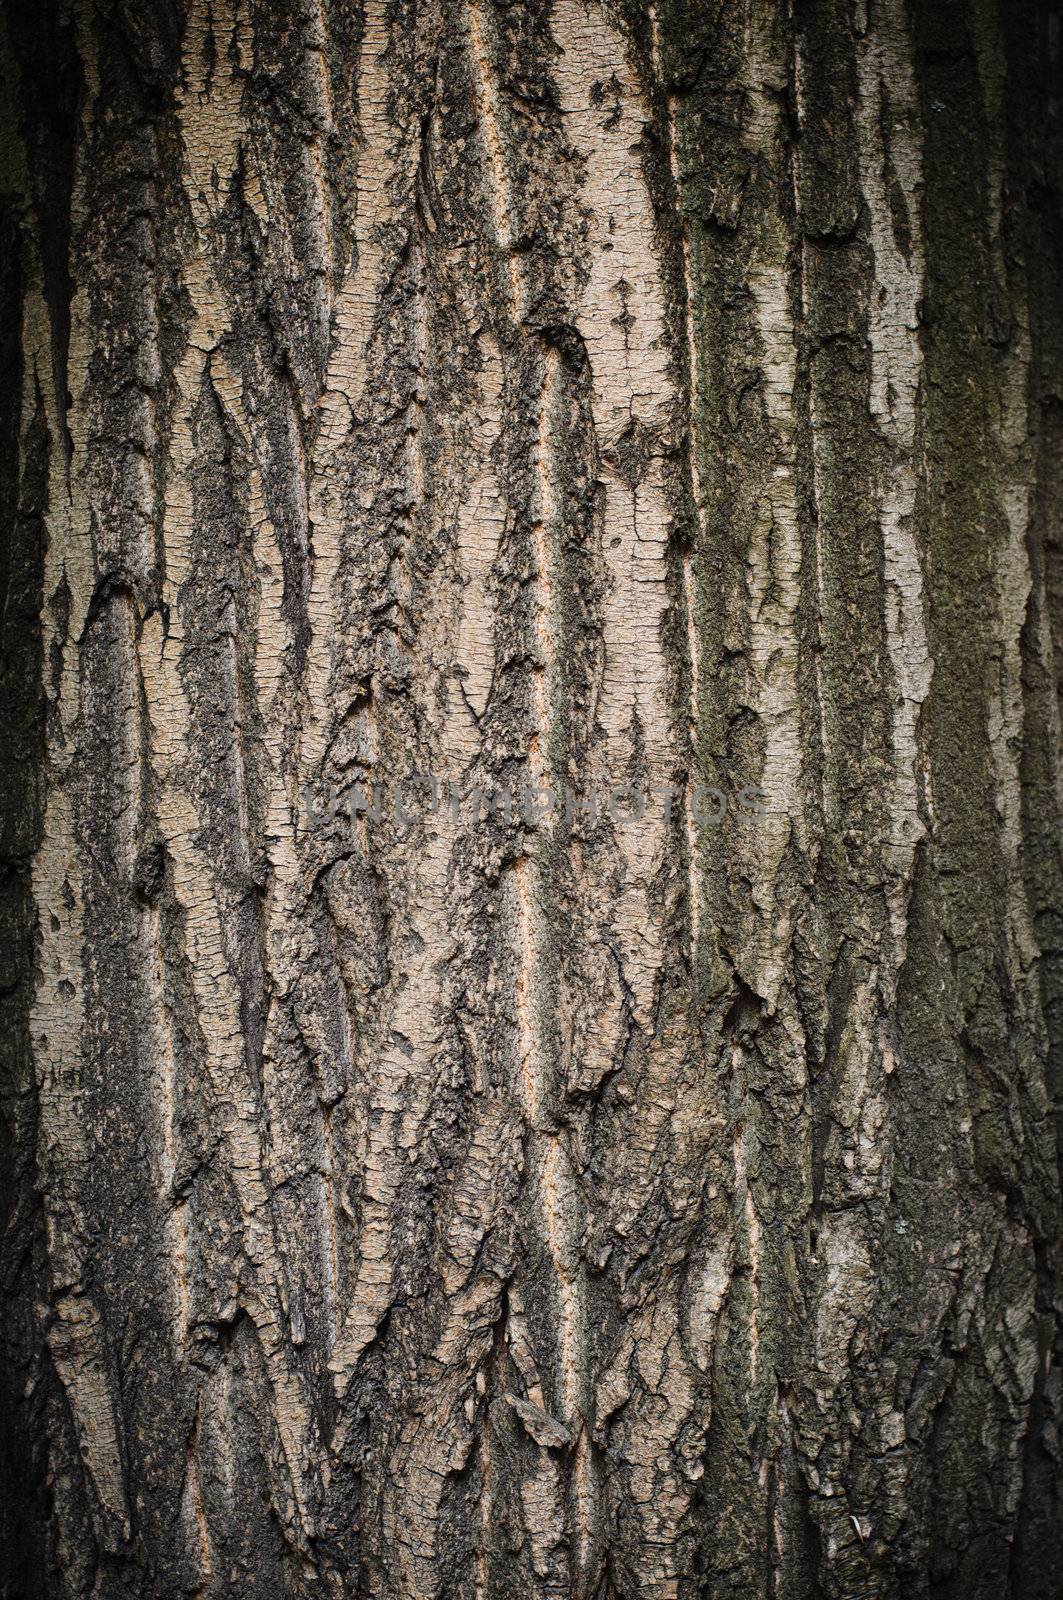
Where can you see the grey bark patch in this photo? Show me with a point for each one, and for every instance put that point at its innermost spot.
(538, 1424)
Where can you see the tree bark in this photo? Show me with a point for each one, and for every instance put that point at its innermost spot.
(631, 1169)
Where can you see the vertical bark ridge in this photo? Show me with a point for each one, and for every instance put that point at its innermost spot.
(204, 689)
(66, 1052)
(1031, 234)
(691, 558)
(891, 174)
(621, 315)
(751, 732)
(556, 1389)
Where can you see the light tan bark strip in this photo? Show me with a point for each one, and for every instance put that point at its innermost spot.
(549, 1175)
(212, 128)
(620, 313)
(693, 399)
(887, 88)
(75, 1336)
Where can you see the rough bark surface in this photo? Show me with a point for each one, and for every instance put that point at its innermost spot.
(422, 1203)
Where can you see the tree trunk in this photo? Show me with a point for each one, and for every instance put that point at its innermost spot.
(533, 896)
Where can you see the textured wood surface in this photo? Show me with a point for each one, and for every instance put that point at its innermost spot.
(654, 405)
